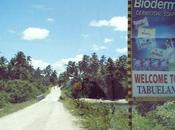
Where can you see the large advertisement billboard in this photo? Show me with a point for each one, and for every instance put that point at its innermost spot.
(153, 48)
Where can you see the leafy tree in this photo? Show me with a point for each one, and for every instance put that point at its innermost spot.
(37, 74)
(72, 69)
(102, 65)
(94, 75)
(94, 64)
(53, 78)
(19, 81)
(63, 79)
(48, 71)
(83, 66)
(3, 67)
(19, 67)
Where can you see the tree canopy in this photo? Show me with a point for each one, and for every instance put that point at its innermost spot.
(98, 78)
(20, 81)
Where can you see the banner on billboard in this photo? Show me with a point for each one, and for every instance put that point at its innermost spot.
(153, 48)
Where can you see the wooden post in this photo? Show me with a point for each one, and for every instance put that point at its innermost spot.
(129, 67)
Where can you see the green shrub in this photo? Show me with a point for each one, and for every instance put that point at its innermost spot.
(144, 106)
(2, 85)
(144, 123)
(164, 115)
(3, 99)
(21, 90)
(119, 120)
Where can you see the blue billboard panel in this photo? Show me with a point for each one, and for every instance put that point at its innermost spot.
(153, 48)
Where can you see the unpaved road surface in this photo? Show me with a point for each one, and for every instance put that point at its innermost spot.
(48, 114)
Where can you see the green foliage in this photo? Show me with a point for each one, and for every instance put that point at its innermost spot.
(164, 115)
(3, 99)
(103, 74)
(20, 82)
(119, 120)
(10, 108)
(20, 91)
(97, 116)
(144, 107)
(104, 116)
(155, 116)
(53, 78)
(144, 123)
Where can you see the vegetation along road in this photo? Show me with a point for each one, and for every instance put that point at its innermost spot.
(48, 114)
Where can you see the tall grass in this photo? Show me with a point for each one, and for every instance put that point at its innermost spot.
(100, 116)
(97, 116)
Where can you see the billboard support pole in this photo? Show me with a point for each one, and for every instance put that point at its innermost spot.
(129, 68)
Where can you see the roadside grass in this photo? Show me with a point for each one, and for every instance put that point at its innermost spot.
(97, 116)
(14, 107)
(107, 116)
(10, 108)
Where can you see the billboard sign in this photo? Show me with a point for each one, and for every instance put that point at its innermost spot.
(153, 48)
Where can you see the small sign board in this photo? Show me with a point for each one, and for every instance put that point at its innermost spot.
(153, 48)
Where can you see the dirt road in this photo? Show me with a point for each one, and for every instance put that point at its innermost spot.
(48, 114)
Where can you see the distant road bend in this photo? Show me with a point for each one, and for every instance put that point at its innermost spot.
(48, 114)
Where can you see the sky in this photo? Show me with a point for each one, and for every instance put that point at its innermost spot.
(56, 31)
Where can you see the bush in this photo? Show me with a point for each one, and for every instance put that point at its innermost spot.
(77, 88)
(20, 90)
(144, 123)
(164, 115)
(144, 107)
(3, 99)
(2, 85)
(119, 120)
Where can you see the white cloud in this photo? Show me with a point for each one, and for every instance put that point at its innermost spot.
(32, 33)
(122, 50)
(51, 20)
(118, 23)
(95, 47)
(39, 63)
(108, 40)
(59, 66)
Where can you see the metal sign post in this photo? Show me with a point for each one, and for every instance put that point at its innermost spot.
(129, 69)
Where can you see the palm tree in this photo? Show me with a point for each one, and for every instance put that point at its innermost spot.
(83, 66)
(94, 64)
(102, 65)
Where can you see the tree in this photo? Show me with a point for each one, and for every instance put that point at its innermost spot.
(48, 71)
(37, 74)
(53, 78)
(72, 69)
(94, 64)
(63, 79)
(102, 65)
(19, 67)
(3, 67)
(84, 65)
(93, 75)
(19, 81)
